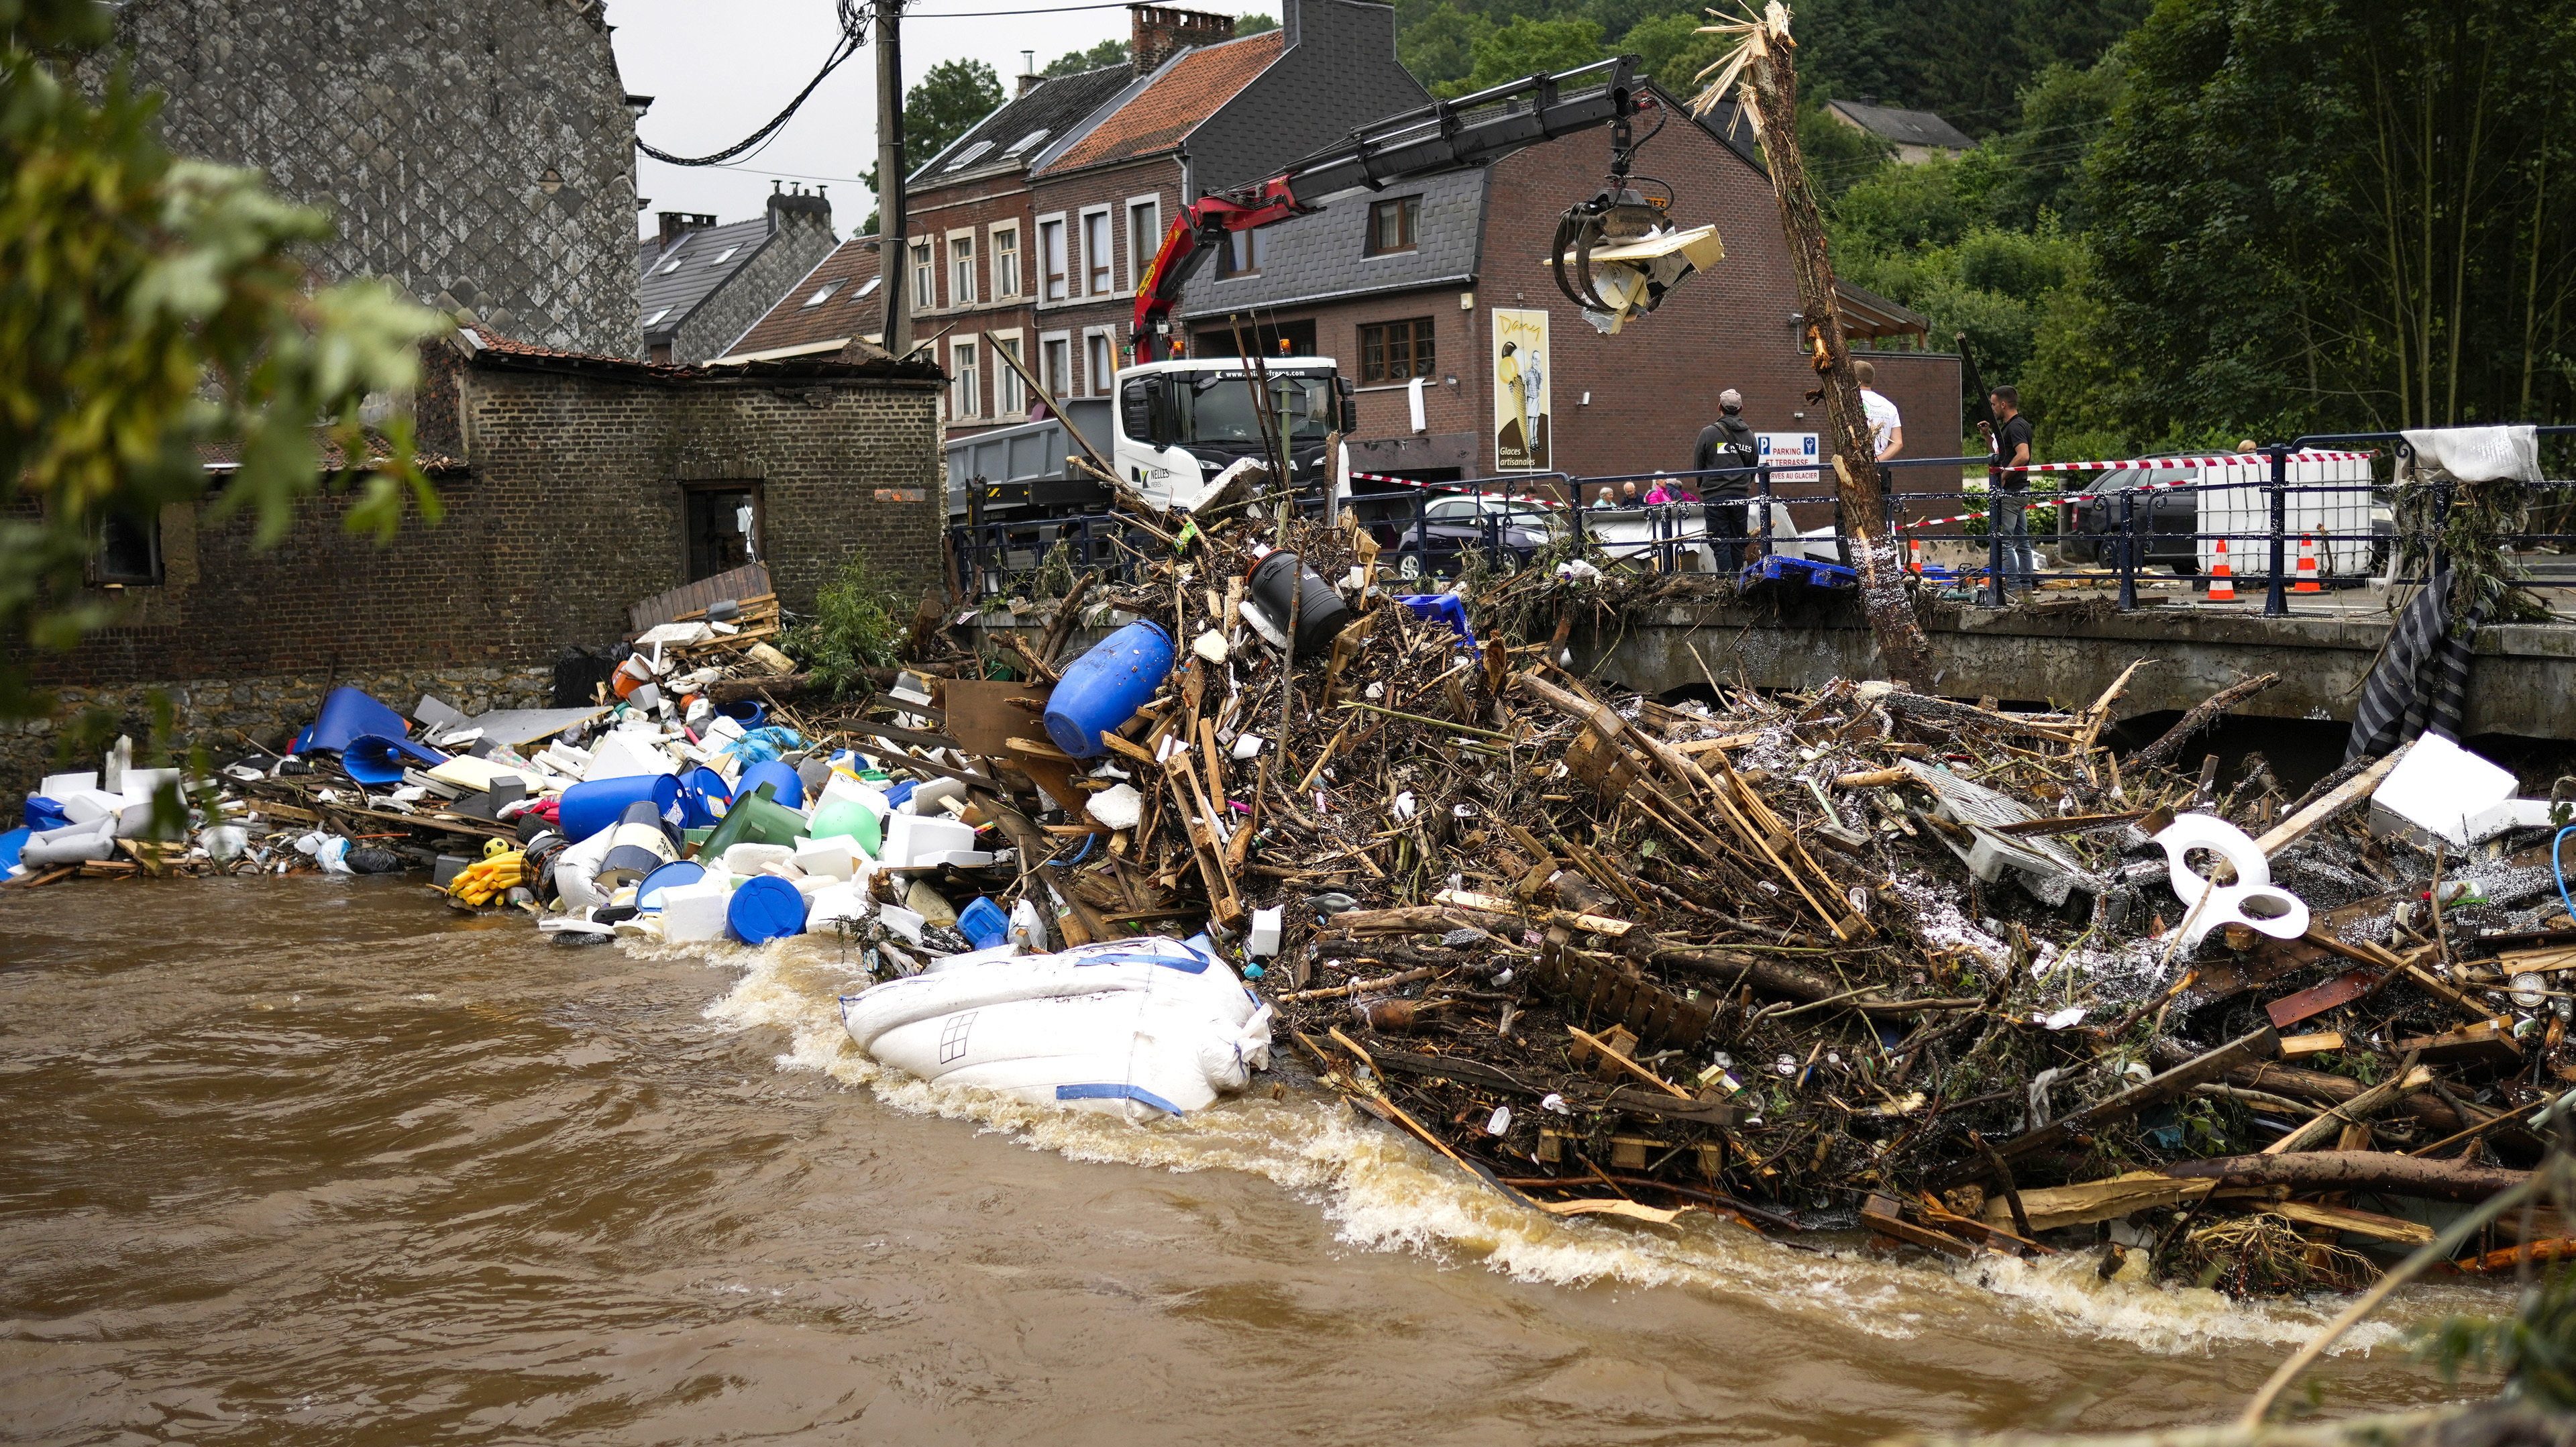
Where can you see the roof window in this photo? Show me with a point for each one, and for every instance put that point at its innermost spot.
(724, 256)
(969, 156)
(862, 293)
(823, 293)
(1026, 142)
(669, 266)
(655, 319)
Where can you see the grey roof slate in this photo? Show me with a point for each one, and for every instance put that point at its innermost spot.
(1058, 106)
(698, 274)
(1324, 255)
(1906, 128)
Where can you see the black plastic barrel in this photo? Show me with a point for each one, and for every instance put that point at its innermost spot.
(1320, 615)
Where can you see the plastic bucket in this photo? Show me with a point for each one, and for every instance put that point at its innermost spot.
(347, 713)
(791, 789)
(751, 713)
(588, 808)
(703, 796)
(1104, 687)
(755, 818)
(765, 908)
(1321, 613)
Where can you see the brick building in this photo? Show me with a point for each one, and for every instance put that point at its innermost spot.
(480, 154)
(572, 485)
(704, 285)
(1406, 284)
(1028, 231)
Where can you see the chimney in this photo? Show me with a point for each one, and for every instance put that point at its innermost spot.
(1158, 33)
(676, 224)
(800, 205)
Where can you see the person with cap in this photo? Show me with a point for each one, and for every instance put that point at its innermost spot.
(1727, 443)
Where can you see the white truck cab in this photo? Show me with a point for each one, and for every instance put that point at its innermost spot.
(1179, 424)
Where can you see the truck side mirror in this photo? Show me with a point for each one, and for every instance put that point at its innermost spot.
(1350, 404)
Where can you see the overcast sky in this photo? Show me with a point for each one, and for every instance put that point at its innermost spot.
(718, 72)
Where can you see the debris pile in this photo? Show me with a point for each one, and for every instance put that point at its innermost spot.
(1865, 958)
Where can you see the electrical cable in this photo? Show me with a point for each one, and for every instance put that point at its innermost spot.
(2560, 870)
(854, 35)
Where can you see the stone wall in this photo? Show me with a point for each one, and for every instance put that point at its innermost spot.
(480, 154)
(800, 241)
(223, 716)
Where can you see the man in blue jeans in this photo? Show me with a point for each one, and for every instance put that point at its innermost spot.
(2008, 490)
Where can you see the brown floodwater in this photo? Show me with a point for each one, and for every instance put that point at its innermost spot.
(299, 1160)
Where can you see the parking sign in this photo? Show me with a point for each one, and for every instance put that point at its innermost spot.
(1793, 453)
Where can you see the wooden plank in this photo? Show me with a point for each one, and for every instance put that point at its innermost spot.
(1879, 1214)
(2393, 1229)
(1623, 1062)
(2350, 792)
(2087, 1202)
(2317, 999)
(2300, 1047)
(2355, 1111)
(1496, 904)
(2263, 1044)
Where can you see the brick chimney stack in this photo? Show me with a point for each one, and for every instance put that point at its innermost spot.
(1158, 33)
(786, 208)
(676, 224)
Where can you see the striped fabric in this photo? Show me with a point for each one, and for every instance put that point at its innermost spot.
(2421, 682)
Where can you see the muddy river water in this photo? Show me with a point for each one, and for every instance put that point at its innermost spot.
(306, 1161)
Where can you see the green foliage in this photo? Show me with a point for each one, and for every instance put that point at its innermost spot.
(1099, 57)
(150, 308)
(1671, 50)
(1253, 25)
(856, 626)
(1440, 48)
(946, 103)
(1527, 47)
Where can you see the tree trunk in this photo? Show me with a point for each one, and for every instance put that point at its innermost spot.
(2383, 1171)
(1771, 84)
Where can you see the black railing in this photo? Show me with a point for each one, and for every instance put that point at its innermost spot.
(2255, 523)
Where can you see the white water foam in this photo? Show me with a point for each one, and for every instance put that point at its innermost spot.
(1383, 1192)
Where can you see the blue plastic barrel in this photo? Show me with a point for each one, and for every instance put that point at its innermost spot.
(648, 894)
(751, 713)
(791, 789)
(589, 808)
(1104, 687)
(765, 908)
(703, 796)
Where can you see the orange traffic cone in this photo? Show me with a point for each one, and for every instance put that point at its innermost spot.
(2222, 583)
(2307, 579)
(1914, 556)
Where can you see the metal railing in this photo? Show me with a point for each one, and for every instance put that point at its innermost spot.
(2124, 531)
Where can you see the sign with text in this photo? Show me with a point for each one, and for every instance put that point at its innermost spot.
(1520, 390)
(1793, 454)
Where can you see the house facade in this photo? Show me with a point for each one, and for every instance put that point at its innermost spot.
(703, 285)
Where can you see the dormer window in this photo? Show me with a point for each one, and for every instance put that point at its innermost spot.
(1393, 225)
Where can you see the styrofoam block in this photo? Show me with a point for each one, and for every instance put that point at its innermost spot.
(626, 753)
(57, 785)
(1268, 925)
(1117, 807)
(834, 858)
(933, 797)
(695, 913)
(912, 837)
(868, 796)
(812, 886)
(2447, 791)
(902, 921)
(141, 784)
(756, 858)
(834, 903)
(954, 858)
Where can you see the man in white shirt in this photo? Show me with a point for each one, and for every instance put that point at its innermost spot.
(1886, 424)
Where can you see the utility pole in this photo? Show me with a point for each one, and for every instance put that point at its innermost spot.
(894, 246)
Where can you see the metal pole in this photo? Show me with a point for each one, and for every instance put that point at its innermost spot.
(894, 245)
(2128, 550)
(2276, 598)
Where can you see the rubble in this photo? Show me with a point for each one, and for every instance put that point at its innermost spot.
(1957, 976)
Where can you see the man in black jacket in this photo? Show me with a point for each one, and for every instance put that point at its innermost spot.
(2008, 491)
(1726, 443)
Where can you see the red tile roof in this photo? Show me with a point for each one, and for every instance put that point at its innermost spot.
(1165, 112)
(842, 315)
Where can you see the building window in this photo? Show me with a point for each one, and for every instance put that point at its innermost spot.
(964, 396)
(1051, 258)
(925, 278)
(866, 289)
(724, 256)
(723, 523)
(1144, 238)
(126, 552)
(961, 271)
(1010, 394)
(1242, 254)
(1055, 365)
(1396, 351)
(1102, 359)
(1006, 262)
(1096, 259)
(824, 292)
(1392, 224)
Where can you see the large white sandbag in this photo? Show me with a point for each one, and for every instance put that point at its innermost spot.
(1135, 1028)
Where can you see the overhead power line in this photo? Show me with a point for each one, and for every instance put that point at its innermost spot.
(854, 36)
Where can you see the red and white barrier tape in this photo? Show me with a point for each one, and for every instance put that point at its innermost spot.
(2147, 462)
(1454, 490)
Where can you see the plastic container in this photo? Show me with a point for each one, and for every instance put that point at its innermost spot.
(679, 872)
(790, 790)
(755, 818)
(1104, 687)
(347, 713)
(1320, 615)
(764, 909)
(379, 759)
(703, 796)
(588, 808)
(983, 924)
(839, 818)
(751, 713)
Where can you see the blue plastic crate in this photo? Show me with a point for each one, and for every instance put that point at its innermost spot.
(1772, 569)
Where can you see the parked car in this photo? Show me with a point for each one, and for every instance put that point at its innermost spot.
(1458, 524)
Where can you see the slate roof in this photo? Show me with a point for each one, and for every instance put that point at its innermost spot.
(1187, 90)
(853, 309)
(671, 293)
(1052, 112)
(1324, 255)
(485, 346)
(1905, 128)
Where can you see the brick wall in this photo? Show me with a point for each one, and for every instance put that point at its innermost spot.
(479, 154)
(1113, 310)
(570, 511)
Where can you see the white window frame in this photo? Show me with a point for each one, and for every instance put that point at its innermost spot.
(1138, 259)
(1060, 381)
(1039, 276)
(1007, 386)
(921, 253)
(958, 296)
(1108, 342)
(965, 380)
(1104, 269)
(993, 250)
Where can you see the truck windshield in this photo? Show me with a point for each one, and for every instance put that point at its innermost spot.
(1219, 409)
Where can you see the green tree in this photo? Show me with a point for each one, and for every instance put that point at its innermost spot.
(1440, 47)
(1253, 25)
(1099, 57)
(946, 103)
(1527, 47)
(2063, 113)
(150, 308)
